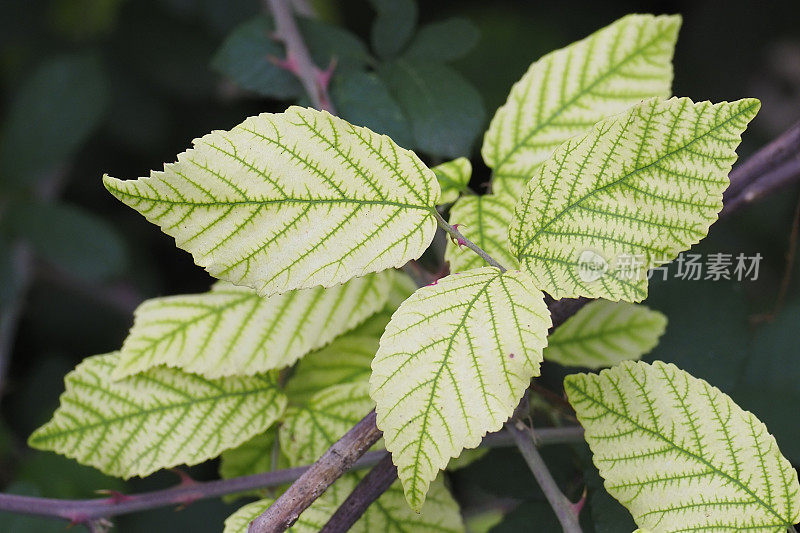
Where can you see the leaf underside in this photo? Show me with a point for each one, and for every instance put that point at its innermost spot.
(632, 193)
(231, 330)
(566, 92)
(680, 454)
(157, 419)
(605, 333)
(452, 365)
(291, 200)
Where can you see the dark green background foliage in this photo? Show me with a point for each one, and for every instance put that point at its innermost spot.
(93, 86)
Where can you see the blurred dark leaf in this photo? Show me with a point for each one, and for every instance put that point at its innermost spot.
(70, 238)
(245, 55)
(531, 515)
(52, 114)
(248, 55)
(444, 41)
(363, 99)
(327, 42)
(445, 111)
(770, 381)
(393, 26)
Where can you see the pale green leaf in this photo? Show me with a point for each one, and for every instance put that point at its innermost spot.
(255, 456)
(291, 200)
(680, 454)
(347, 359)
(440, 514)
(402, 287)
(157, 419)
(453, 363)
(374, 326)
(308, 430)
(604, 333)
(453, 178)
(567, 91)
(232, 330)
(484, 220)
(632, 193)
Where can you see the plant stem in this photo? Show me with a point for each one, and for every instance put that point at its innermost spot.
(334, 462)
(298, 59)
(461, 240)
(771, 167)
(369, 489)
(563, 508)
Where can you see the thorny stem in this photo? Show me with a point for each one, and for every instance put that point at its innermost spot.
(298, 59)
(461, 240)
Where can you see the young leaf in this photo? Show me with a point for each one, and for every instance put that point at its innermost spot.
(452, 365)
(307, 431)
(453, 178)
(291, 200)
(567, 91)
(157, 419)
(347, 359)
(231, 330)
(484, 220)
(604, 333)
(680, 454)
(635, 191)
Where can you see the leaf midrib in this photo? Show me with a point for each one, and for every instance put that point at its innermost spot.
(268, 201)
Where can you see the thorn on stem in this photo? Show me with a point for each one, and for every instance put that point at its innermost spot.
(577, 507)
(289, 64)
(324, 76)
(185, 479)
(114, 496)
(460, 241)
